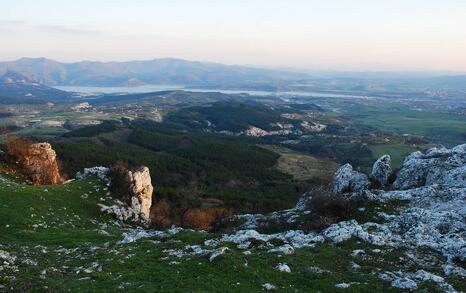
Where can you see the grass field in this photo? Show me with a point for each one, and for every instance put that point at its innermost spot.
(397, 152)
(441, 128)
(62, 242)
(302, 166)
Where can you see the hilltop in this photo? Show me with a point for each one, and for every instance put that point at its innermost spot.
(409, 236)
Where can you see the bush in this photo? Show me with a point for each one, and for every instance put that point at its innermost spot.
(171, 206)
(203, 218)
(328, 208)
(161, 214)
(17, 147)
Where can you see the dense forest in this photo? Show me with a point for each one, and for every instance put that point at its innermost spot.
(232, 116)
(233, 170)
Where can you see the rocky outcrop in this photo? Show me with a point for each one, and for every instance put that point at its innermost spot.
(134, 187)
(140, 187)
(381, 171)
(434, 184)
(36, 161)
(98, 171)
(349, 181)
(436, 166)
(255, 131)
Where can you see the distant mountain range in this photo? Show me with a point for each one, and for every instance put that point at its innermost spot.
(18, 88)
(134, 73)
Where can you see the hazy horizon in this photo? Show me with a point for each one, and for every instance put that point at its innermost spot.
(343, 35)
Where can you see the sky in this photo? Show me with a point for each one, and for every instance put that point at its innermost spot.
(305, 34)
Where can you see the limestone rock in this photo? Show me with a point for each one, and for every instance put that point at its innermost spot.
(255, 131)
(98, 171)
(134, 187)
(381, 170)
(38, 163)
(436, 166)
(347, 180)
(141, 188)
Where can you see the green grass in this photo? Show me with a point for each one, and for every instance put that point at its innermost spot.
(397, 152)
(444, 128)
(71, 242)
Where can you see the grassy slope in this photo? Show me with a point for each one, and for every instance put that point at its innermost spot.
(397, 151)
(302, 166)
(71, 242)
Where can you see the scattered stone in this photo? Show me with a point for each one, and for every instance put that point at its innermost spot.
(355, 266)
(216, 253)
(269, 287)
(100, 172)
(283, 267)
(404, 283)
(295, 239)
(7, 257)
(342, 286)
(318, 270)
(285, 249)
(357, 252)
(137, 234)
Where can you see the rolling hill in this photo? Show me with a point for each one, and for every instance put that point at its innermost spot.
(18, 88)
(133, 73)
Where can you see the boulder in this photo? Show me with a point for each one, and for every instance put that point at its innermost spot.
(37, 162)
(140, 187)
(347, 180)
(381, 171)
(133, 186)
(436, 166)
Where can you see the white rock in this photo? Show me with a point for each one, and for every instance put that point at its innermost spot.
(137, 234)
(283, 267)
(268, 286)
(294, 238)
(217, 252)
(436, 166)
(346, 180)
(100, 172)
(342, 286)
(404, 283)
(381, 170)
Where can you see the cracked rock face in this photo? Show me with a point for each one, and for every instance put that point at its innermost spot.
(133, 187)
(347, 180)
(39, 164)
(140, 187)
(381, 170)
(436, 166)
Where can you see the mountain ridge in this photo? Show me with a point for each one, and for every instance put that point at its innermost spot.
(16, 87)
(153, 71)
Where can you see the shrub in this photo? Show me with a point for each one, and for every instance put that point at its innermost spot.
(203, 218)
(161, 214)
(328, 208)
(17, 147)
(171, 206)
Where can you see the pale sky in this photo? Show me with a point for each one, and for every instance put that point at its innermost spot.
(332, 34)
